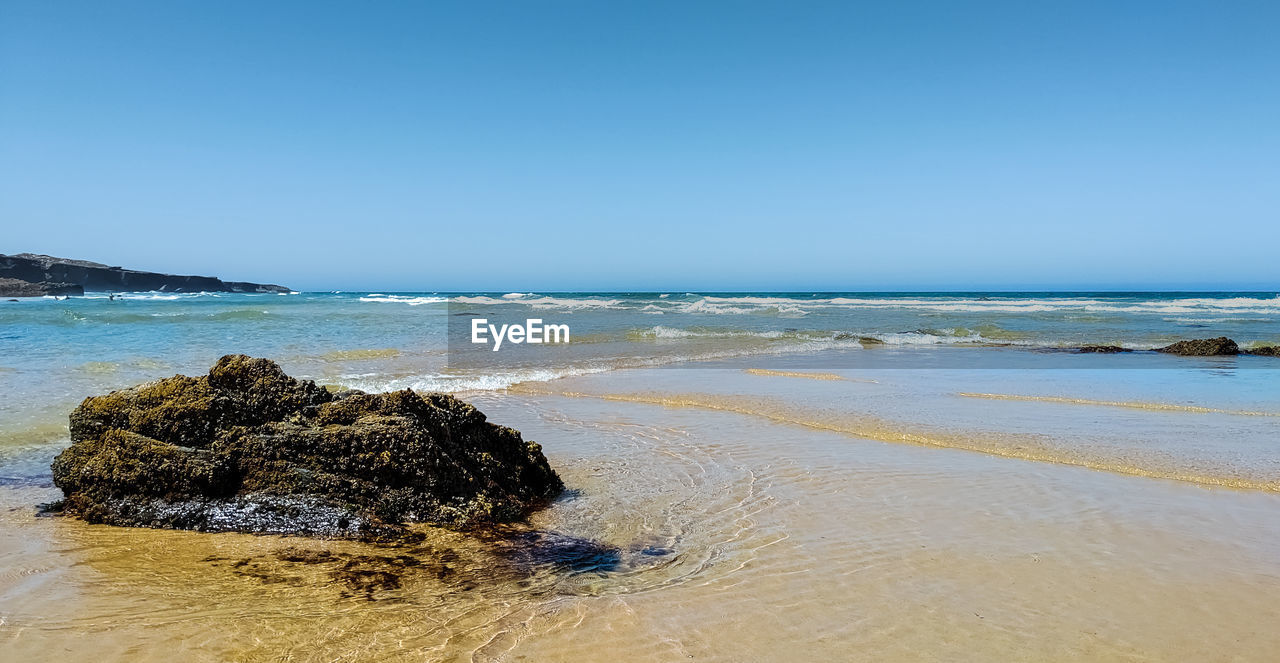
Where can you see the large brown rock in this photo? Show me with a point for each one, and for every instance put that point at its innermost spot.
(248, 448)
(1203, 347)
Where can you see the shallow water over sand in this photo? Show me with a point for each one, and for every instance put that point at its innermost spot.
(691, 533)
(798, 497)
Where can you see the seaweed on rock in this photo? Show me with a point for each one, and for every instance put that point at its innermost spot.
(248, 448)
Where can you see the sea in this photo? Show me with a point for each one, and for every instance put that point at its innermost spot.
(776, 476)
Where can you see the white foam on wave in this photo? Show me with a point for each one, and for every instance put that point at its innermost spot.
(158, 295)
(926, 338)
(662, 332)
(544, 303)
(796, 311)
(797, 307)
(502, 379)
(1200, 320)
(705, 305)
(1187, 307)
(815, 339)
(790, 307)
(794, 307)
(411, 300)
(453, 383)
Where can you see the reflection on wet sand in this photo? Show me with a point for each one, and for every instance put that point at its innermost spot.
(688, 533)
(1022, 446)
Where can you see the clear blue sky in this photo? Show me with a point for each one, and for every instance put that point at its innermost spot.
(648, 145)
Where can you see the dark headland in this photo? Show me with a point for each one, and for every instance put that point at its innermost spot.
(34, 275)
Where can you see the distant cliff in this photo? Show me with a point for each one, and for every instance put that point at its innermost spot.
(20, 288)
(40, 269)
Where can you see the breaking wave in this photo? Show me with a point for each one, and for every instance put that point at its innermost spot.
(797, 306)
(985, 335)
(411, 300)
(541, 303)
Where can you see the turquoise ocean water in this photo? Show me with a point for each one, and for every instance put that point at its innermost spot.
(54, 352)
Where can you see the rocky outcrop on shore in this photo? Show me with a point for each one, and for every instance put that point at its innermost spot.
(1102, 349)
(248, 448)
(20, 288)
(1203, 347)
(41, 269)
(1199, 347)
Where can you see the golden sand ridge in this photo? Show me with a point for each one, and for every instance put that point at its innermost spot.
(1136, 405)
(800, 374)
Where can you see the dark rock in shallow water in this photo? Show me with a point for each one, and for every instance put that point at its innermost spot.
(1266, 351)
(20, 288)
(531, 550)
(248, 448)
(1102, 349)
(1203, 347)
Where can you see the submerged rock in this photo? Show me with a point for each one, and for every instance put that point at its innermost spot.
(1266, 351)
(1203, 347)
(248, 448)
(1102, 349)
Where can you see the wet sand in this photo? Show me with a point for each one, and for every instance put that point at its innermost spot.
(690, 533)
